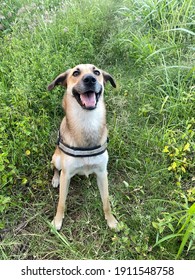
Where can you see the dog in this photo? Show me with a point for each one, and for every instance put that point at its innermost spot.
(83, 135)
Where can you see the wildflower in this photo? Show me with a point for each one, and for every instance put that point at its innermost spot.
(166, 149)
(27, 153)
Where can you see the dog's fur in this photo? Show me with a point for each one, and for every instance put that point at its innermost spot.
(84, 126)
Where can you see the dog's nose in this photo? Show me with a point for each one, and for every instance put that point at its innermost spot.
(89, 80)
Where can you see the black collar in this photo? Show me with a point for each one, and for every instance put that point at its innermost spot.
(81, 152)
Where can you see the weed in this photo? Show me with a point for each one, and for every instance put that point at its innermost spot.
(180, 150)
(181, 224)
(148, 47)
(4, 204)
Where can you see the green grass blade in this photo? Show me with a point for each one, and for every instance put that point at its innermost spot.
(64, 240)
(181, 29)
(170, 236)
(184, 240)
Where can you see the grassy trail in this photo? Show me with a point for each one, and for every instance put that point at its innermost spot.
(148, 47)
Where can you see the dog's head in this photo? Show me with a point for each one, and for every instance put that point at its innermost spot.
(85, 82)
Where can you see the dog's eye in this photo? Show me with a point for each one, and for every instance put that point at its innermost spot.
(96, 72)
(76, 73)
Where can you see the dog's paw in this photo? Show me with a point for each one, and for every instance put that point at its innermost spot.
(56, 224)
(112, 222)
(55, 181)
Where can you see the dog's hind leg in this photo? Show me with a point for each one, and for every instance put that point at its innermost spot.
(56, 165)
(102, 181)
(56, 178)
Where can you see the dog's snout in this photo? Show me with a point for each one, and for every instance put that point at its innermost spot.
(89, 80)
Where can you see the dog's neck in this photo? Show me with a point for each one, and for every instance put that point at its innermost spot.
(84, 128)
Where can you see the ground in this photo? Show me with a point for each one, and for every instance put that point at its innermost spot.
(148, 47)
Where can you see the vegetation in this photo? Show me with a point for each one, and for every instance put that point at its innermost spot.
(148, 46)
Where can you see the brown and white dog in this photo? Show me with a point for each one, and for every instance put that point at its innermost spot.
(83, 135)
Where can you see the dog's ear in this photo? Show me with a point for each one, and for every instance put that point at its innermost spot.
(108, 77)
(59, 80)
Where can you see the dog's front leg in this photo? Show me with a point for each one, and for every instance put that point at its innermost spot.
(63, 191)
(102, 181)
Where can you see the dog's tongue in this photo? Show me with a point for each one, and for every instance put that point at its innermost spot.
(88, 99)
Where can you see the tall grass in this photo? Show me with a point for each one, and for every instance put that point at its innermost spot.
(148, 46)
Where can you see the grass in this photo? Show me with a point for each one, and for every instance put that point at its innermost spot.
(148, 46)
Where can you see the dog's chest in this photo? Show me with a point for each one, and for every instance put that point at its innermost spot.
(87, 165)
(87, 127)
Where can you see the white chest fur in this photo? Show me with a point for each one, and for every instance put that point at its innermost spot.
(86, 165)
(86, 127)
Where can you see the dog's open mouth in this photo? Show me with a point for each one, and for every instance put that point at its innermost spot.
(87, 100)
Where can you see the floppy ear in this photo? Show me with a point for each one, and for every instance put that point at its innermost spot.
(108, 77)
(59, 80)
